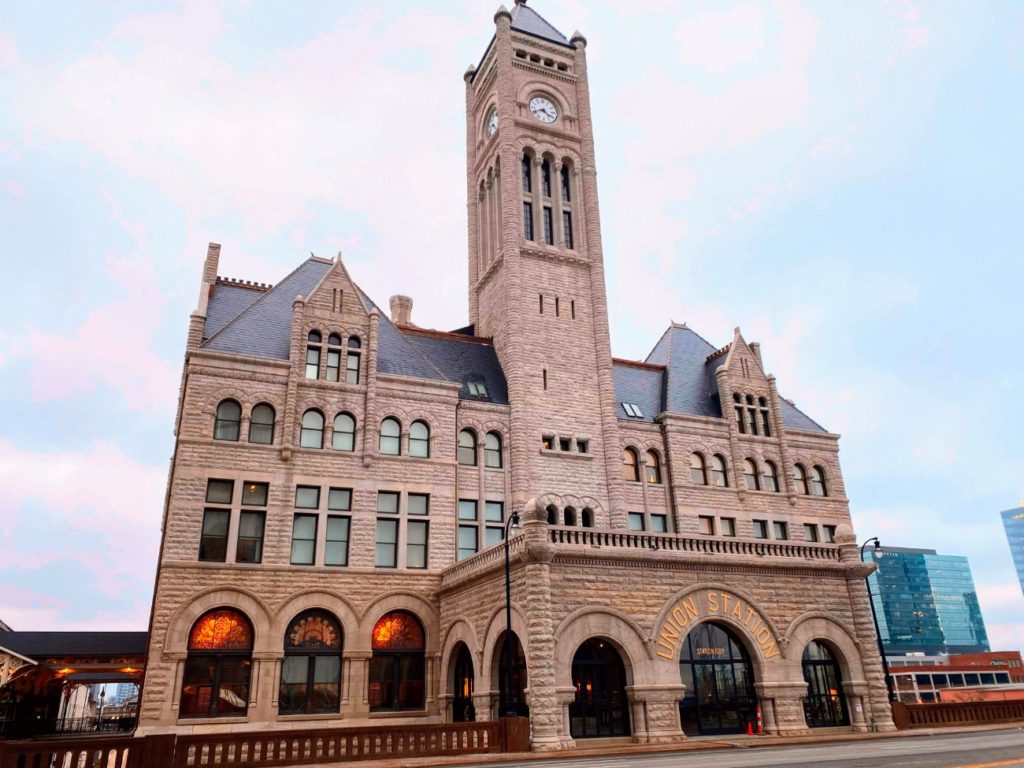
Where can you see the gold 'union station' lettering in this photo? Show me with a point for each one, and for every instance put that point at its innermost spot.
(682, 617)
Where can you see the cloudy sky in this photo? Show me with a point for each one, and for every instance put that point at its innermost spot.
(841, 180)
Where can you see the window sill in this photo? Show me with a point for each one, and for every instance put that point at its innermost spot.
(199, 720)
(567, 454)
(292, 718)
(399, 713)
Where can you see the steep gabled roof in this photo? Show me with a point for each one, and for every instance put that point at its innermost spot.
(264, 328)
(463, 360)
(228, 301)
(641, 385)
(528, 21)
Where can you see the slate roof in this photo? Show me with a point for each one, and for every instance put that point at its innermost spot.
(640, 386)
(39, 645)
(527, 20)
(264, 328)
(463, 360)
(4, 627)
(226, 303)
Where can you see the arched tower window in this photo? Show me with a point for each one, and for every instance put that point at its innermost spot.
(770, 477)
(800, 480)
(229, 420)
(751, 475)
(261, 424)
(630, 465)
(818, 487)
(719, 473)
(419, 439)
(492, 450)
(552, 511)
(569, 515)
(528, 196)
(216, 678)
(312, 434)
(311, 671)
(391, 437)
(653, 467)
(333, 370)
(397, 669)
(313, 340)
(698, 469)
(766, 423)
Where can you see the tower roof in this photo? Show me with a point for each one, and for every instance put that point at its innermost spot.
(527, 20)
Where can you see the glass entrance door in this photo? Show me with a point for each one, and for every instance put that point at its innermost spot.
(600, 707)
(719, 682)
(824, 705)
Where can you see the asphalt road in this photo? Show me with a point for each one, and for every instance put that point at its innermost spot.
(988, 749)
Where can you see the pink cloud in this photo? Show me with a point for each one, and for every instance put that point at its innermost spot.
(9, 57)
(718, 41)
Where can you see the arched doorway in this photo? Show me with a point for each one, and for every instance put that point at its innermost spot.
(463, 710)
(600, 707)
(397, 668)
(216, 678)
(824, 705)
(719, 682)
(311, 669)
(511, 682)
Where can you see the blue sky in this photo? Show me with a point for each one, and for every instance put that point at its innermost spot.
(841, 180)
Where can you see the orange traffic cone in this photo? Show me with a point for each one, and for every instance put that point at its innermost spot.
(750, 729)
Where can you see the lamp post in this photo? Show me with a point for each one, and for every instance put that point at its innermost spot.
(506, 700)
(875, 552)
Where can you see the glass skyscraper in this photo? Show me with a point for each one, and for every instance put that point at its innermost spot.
(1013, 522)
(926, 603)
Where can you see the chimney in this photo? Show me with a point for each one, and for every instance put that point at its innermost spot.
(401, 310)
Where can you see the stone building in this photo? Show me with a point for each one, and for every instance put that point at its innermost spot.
(343, 480)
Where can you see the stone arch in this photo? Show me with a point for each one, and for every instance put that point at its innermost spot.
(495, 626)
(742, 631)
(461, 631)
(180, 624)
(608, 624)
(326, 601)
(399, 601)
(818, 625)
(538, 87)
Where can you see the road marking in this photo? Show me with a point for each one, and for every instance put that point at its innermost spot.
(1015, 761)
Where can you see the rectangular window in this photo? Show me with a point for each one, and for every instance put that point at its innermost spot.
(548, 442)
(829, 532)
(810, 532)
(567, 228)
(254, 494)
(740, 424)
(527, 176)
(419, 503)
(545, 175)
(565, 183)
(541, 303)
(752, 420)
(386, 555)
(416, 544)
(468, 544)
(707, 525)
(549, 233)
(213, 544)
(558, 305)
(971, 679)
(572, 305)
(250, 537)
(760, 529)
(636, 521)
(766, 427)
(564, 443)
(467, 509)
(219, 491)
(387, 502)
(312, 362)
(780, 530)
(493, 535)
(333, 364)
(728, 526)
(339, 499)
(336, 547)
(528, 221)
(304, 540)
(352, 368)
(545, 378)
(582, 446)
(307, 497)
(494, 512)
(659, 523)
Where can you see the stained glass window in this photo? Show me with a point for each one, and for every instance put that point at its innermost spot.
(215, 682)
(313, 630)
(221, 630)
(397, 631)
(397, 669)
(311, 671)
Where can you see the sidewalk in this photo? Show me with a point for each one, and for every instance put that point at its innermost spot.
(621, 747)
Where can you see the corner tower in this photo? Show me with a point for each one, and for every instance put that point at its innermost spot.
(536, 269)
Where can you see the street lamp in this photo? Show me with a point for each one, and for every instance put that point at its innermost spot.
(506, 702)
(875, 552)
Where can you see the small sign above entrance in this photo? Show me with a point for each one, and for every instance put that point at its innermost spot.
(711, 603)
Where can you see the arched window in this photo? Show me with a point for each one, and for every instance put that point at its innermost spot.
(766, 422)
(698, 469)
(228, 421)
(397, 669)
(467, 448)
(261, 424)
(818, 487)
(311, 671)
(462, 685)
(216, 678)
(545, 175)
(492, 450)
(566, 191)
(653, 467)
(312, 435)
(800, 480)
(352, 360)
(419, 439)
(344, 437)
(770, 477)
(313, 355)
(824, 705)
(391, 437)
(719, 475)
(750, 475)
(588, 517)
(333, 370)
(552, 511)
(630, 465)
(527, 173)
(570, 516)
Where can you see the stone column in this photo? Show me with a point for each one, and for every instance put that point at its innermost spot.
(788, 706)
(556, 204)
(659, 710)
(482, 703)
(855, 691)
(360, 678)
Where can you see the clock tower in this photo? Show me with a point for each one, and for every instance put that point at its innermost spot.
(536, 269)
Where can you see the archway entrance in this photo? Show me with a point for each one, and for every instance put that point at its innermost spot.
(719, 682)
(824, 705)
(600, 707)
(511, 682)
(463, 710)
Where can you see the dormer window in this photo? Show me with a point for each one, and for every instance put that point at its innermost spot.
(477, 389)
(633, 410)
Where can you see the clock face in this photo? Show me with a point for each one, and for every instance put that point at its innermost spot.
(543, 109)
(492, 123)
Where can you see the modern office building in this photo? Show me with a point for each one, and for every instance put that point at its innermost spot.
(344, 481)
(1013, 522)
(926, 603)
